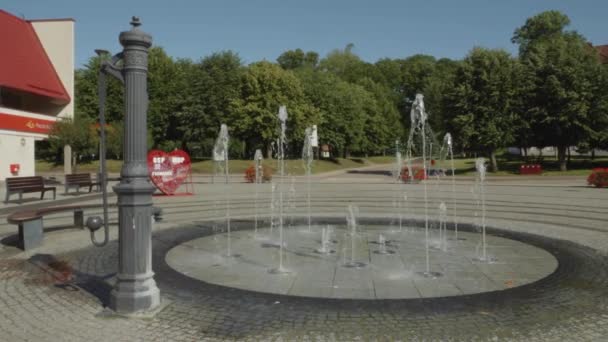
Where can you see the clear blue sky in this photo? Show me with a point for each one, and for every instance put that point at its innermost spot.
(258, 29)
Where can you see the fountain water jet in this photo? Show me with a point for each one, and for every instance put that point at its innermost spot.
(291, 200)
(480, 165)
(382, 246)
(325, 241)
(450, 146)
(400, 190)
(220, 156)
(257, 158)
(351, 223)
(281, 159)
(443, 216)
(418, 118)
(308, 157)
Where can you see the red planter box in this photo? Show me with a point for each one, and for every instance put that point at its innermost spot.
(530, 169)
(418, 174)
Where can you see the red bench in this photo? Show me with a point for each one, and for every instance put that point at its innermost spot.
(530, 169)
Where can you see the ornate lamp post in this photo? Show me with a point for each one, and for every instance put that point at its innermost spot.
(135, 289)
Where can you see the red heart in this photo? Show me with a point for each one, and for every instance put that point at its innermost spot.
(168, 170)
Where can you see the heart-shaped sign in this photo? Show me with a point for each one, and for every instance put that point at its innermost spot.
(168, 170)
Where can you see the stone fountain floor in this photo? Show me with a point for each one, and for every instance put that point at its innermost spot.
(398, 274)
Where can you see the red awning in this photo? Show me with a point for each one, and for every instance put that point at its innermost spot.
(24, 64)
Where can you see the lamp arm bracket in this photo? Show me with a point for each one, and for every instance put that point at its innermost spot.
(112, 68)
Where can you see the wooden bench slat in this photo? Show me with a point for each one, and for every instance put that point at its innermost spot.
(79, 179)
(21, 185)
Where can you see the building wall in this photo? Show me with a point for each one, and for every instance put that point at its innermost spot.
(57, 38)
(16, 148)
(23, 126)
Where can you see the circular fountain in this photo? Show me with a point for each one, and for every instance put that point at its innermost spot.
(362, 266)
(363, 258)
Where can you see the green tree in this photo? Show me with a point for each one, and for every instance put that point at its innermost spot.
(435, 91)
(264, 87)
(293, 59)
(86, 93)
(211, 86)
(382, 119)
(599, 110)
(79, 133)
(417, 74)
(311, 59)
(347, 65)
(166, 80)
(559, 68)
(342, 110)
(114, 140)
(482, 101)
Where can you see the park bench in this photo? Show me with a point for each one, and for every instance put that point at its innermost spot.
(31, 227)
(77, 180)
(530, 169)
(21, 185)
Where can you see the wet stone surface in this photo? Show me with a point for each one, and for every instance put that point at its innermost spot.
(570, 304)
(372, 270)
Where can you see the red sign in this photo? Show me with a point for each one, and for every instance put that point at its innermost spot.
(24, 124)
(168, 170)
(14, 169)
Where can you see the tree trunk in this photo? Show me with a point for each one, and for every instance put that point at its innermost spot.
(568, 150)
(593, 154)
(346, 153)
(74, 162)
(561, 158)
(269, 151)
(493, 160)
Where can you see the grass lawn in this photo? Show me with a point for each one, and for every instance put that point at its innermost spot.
(508, 165)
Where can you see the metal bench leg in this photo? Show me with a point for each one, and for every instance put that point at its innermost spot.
(79, 219)
(8, 193)
(30, 234)
(42, 194)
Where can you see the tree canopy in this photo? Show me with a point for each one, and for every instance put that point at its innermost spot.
(554, 93)
(483, 101)
(560, 69)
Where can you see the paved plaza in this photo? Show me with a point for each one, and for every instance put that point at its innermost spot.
(549, 282)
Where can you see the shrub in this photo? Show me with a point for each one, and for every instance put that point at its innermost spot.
(250, 174)
(598, 178)
(418, 174)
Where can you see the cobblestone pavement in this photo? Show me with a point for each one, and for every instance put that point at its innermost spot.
(57, 292)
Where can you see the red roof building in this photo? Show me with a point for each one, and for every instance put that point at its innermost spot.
(36, 86)
(26, 67)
